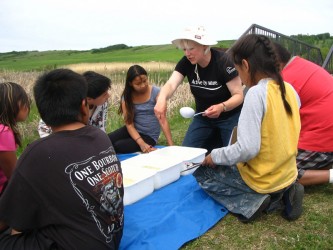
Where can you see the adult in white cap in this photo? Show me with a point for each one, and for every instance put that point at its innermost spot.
(215, 85)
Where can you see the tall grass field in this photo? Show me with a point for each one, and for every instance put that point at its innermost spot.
(314, 230)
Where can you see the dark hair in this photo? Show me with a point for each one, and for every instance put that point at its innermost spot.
(12, 98)
(97, 84)
(282, 53)
(132, 73)
(259, 51)
(59, 95)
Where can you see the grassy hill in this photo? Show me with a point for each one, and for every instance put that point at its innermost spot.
(45, 60)
(35, 60)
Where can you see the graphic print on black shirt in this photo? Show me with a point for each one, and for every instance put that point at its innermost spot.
(101, 176)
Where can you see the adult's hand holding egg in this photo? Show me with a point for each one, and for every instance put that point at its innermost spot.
(188, 112)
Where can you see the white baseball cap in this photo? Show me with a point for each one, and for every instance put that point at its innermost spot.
(197, 34)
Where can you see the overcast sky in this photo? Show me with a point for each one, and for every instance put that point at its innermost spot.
(87, 24)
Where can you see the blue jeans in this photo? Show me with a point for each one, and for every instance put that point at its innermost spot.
(225, 185)
(210, 133)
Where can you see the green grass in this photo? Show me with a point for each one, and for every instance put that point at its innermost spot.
(34, 60)
(46, 60)
(312, 231)
(53, 59)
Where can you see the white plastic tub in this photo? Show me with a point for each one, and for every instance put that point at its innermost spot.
(165, 169)
(145, 172)
(183, 155)
(138, 183)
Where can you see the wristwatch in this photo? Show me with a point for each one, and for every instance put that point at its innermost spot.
(224, 107)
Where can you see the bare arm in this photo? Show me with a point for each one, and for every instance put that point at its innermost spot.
(8, 162)
(166, 130)
(145, 148)
(236, 89)
(166, 93)
(237, 97)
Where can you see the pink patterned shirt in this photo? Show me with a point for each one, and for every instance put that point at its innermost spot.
(7, 143)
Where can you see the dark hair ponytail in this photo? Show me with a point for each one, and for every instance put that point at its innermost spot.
(259, 51)
(276, 73)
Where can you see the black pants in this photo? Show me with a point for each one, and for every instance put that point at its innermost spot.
(123, 143)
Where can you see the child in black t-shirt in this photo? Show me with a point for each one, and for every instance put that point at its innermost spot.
(67, 189)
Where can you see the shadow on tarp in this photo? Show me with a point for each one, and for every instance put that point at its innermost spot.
(170, 217)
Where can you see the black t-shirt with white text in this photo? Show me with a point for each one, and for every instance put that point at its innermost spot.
(211, 86)
(68, 186)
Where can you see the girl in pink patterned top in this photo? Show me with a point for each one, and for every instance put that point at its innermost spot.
(14, 107)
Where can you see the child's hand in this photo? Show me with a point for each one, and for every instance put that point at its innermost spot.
(208, 162)
(13, 232)
(146, 148)
(152, 148)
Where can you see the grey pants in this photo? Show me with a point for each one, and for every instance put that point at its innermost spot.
(225, 185)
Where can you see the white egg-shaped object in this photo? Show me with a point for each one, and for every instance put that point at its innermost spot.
(186, 112)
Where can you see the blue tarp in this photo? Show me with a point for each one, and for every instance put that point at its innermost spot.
(170, 216)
